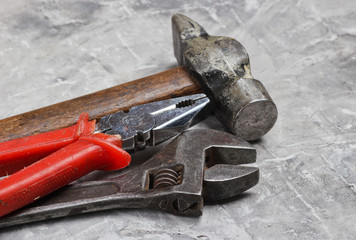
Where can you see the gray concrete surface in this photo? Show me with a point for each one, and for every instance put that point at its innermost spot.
(303, 52)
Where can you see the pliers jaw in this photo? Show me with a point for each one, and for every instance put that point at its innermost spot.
(153, 123)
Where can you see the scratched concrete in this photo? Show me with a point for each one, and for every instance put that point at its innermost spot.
(304, 53)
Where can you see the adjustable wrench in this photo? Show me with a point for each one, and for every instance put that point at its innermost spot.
(199, 165)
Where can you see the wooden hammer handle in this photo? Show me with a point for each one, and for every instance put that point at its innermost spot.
(172, 83)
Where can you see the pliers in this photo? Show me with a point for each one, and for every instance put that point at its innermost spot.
(40, 164)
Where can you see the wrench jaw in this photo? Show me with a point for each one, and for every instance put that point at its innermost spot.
(224, 177)
(210, 169)
(226, 181)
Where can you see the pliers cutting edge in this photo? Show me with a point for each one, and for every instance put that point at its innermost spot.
(40, 164)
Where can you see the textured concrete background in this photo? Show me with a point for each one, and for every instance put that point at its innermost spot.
(304, 53)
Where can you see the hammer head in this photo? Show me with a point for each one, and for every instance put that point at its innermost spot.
(222, 67)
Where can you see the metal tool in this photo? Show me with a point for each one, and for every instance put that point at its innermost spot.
(222, 67)
(198, 166)
(153, 123)
(71, 153)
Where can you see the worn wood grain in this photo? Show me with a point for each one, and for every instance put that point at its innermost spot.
(172, 83)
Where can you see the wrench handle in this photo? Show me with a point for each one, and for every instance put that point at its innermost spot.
(19, 153)
(89, 153)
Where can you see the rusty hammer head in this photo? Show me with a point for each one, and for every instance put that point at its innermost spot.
(222, 67)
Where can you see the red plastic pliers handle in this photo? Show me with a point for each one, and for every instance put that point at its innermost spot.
(43, 163)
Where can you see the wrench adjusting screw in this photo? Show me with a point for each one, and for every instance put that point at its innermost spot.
(166, 177)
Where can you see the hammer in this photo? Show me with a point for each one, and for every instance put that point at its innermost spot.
(217, 65)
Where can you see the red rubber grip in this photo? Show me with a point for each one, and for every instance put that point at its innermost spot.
(19, 153)
(89, 153)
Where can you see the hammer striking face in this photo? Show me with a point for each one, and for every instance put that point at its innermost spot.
(222, 67)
